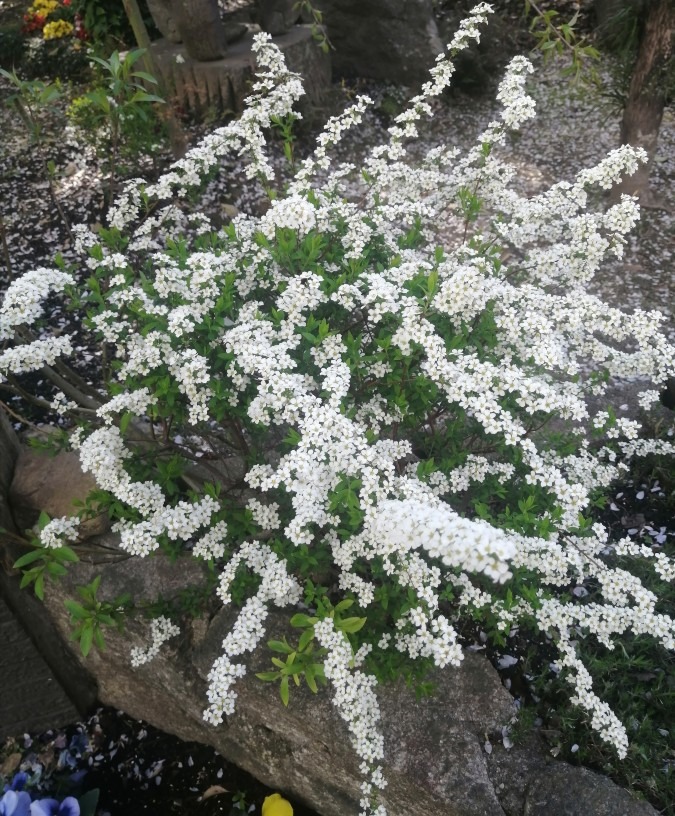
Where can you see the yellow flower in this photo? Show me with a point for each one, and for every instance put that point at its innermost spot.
(57, 29)
(276, 805)
(44, 7)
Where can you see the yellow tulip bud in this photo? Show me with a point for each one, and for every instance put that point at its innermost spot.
(276, 805)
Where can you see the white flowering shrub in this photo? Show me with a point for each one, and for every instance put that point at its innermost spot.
(343, 403)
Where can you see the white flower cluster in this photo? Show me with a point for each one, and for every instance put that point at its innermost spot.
(103, 454)
(24, 298)
(470, 545)
(355, 699)
(276, 586)
(161, 630)
(266, 516)
(60, 530)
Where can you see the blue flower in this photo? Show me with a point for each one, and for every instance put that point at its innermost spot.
(15, 804)
(51, 807)
(18, 783)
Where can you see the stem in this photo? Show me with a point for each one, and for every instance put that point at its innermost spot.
(22, 419)
(5, 247)
(70, 390)
(114, 145)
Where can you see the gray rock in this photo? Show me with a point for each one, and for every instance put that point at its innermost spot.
(32, 699)
(53, 484)
(277, 16)
(568, 791)
(391, 40)
(435, 759)
(529, 782)
(195, 23)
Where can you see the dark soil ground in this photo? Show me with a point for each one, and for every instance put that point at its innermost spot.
(137, 769)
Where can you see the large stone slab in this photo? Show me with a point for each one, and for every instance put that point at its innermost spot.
(9, 453)
(223, 85)
(53, 483)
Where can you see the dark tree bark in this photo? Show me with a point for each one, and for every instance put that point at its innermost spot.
(646, 93)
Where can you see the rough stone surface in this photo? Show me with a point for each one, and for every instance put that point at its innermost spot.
(568, 791)
(277, 16)
(392, 40)
(223, 84)
(52, 484)
(43, 685)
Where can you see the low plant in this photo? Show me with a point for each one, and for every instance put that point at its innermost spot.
(17, 801)
(118, 115)
(348, 401)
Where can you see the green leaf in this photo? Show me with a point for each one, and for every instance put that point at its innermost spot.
(351, 625)
(300, 620)
(66, 554)
(124, 421)
(40, 586)
(267, 676)
(76, 610)
(29, 577)
(311, 681)
(28, 558)
(99, 640)
(146, 76)
(86, 638)
(88, 802)
(284, 691)
(305, 639)
(43, 520)
(279, 646)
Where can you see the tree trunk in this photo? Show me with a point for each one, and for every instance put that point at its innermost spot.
(646, 94)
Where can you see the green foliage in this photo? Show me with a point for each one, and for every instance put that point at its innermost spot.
(311, 12)
(118, 115)
(91, 615)
(29, 97)
(43, 562)
(304, 659)
(106, 23)
(555, 38)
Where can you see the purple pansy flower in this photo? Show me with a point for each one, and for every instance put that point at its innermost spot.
(15, 804)
(51, 807)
